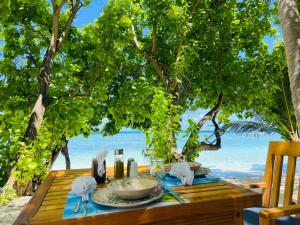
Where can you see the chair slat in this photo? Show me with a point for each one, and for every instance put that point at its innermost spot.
(298, 200)
(275, 189)
(285, 148)
(268, 179)
(289, 182)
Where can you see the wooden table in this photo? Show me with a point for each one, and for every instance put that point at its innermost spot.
(214, 203)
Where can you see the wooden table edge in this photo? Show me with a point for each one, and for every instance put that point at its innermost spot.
(35, 202)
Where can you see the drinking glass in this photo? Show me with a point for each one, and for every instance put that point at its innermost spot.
(157, 168)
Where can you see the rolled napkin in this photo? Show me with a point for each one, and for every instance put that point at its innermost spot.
(83, 185)
(100, 157)
(182, 171)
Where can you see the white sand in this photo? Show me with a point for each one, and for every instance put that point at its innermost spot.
(9, 213)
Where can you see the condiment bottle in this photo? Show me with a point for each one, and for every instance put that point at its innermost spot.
(129, 161)
(99, 179)
(133, 169)
(119, 164)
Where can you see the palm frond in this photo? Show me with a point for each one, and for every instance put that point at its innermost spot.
(245, 127)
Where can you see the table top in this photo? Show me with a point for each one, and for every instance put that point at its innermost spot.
(47, 204)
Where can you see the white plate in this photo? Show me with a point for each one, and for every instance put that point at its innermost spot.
(105, 197)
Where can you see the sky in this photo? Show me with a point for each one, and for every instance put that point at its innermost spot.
(88, 14)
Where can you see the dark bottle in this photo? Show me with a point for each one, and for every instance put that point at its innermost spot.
(99, 179)
(119, 164)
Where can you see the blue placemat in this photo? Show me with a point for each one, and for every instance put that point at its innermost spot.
(173, 181)
(95, 209)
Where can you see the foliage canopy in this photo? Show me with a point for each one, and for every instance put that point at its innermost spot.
(141, 64)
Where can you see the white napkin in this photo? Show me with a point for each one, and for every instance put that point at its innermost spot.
(182, 171)
(100, 157)
(83, 185)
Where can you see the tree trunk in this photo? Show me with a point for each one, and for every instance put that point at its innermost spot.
(38, 112)
(290, 25)
(65, 152)
(210, 115)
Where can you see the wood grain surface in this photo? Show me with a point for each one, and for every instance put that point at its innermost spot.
(214, 203)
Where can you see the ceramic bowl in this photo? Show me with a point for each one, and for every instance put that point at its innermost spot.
(133, 188)
(194, 166)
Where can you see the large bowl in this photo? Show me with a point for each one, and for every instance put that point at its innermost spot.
(133, 188)
(194, 166)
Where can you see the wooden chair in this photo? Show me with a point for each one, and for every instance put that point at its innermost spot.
(270, 213)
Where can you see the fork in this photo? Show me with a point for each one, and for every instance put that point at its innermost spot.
(85, 199)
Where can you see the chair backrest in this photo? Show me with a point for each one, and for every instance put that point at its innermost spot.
(273, 172)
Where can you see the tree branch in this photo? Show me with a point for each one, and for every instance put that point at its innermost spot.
(150, 57)
(154, 27)
(73, 11)
(34, 30)
(32, 58)
(212, 146)
(182, 35)
(54, 30)
(62, 4)
(210, 115)
(184, 31)
(54, 5)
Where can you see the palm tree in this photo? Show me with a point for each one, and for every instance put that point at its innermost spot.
(282, 121)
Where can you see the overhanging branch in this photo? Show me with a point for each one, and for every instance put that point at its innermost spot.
(182, 36)
(73, 11)
(148, 56)
(154, 27)
(210, 115)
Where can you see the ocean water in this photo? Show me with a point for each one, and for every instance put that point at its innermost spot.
(239, 156)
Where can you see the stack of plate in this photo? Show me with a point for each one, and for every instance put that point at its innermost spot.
(128, 192)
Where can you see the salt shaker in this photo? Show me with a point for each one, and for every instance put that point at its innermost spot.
(129, 161)
(133, 169)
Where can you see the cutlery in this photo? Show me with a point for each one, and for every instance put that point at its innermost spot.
(85, 199)
(77, 207)
(169, 191)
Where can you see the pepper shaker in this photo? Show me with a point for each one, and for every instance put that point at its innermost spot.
(119, 164)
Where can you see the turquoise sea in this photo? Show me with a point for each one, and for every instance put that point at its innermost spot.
(239, 156)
